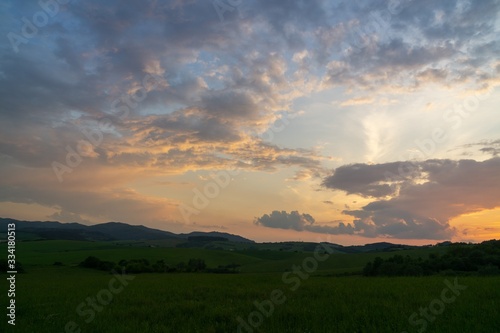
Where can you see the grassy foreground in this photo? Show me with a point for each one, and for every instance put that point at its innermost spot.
(56, 299)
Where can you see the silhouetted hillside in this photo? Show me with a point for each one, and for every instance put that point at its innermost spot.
(105, 232)
(215, 234)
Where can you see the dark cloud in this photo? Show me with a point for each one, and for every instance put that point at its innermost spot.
(423, 201)
(186, 126)
(302, 222)
(491, 147)
(229, 105)
(491, 150)
(283, 220)
(421, 205)
(376, 180)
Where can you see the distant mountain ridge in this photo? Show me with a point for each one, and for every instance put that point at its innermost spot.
(118, 231)
(105, 231)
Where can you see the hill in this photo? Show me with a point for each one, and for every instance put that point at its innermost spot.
(111, 231)
(216, 234)
(145, 236)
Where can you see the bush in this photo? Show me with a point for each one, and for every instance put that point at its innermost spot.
(4, 266)
(96, 263)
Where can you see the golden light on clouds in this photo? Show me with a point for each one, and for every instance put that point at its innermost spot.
(373, 131)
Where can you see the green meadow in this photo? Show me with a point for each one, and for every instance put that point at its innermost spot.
(267, 295)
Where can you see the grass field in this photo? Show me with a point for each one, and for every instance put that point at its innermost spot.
(49, 297)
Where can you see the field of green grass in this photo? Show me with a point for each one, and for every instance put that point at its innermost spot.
(70, 253)
(56, 299)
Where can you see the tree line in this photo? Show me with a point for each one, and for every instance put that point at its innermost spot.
(135, 266)
(459, 259)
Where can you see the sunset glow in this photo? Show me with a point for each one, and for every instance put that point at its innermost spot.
(349, 122)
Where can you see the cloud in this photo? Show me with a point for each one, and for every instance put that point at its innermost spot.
(383, 49)
(230, 105)
(370, 180)
(491, 147)
(64, 216)
(417, 205)
(303, 222)
(283, 220)
(418, 199)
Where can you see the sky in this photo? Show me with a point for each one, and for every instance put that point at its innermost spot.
(343, 121)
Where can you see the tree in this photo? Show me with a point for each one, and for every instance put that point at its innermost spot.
(196, 265)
